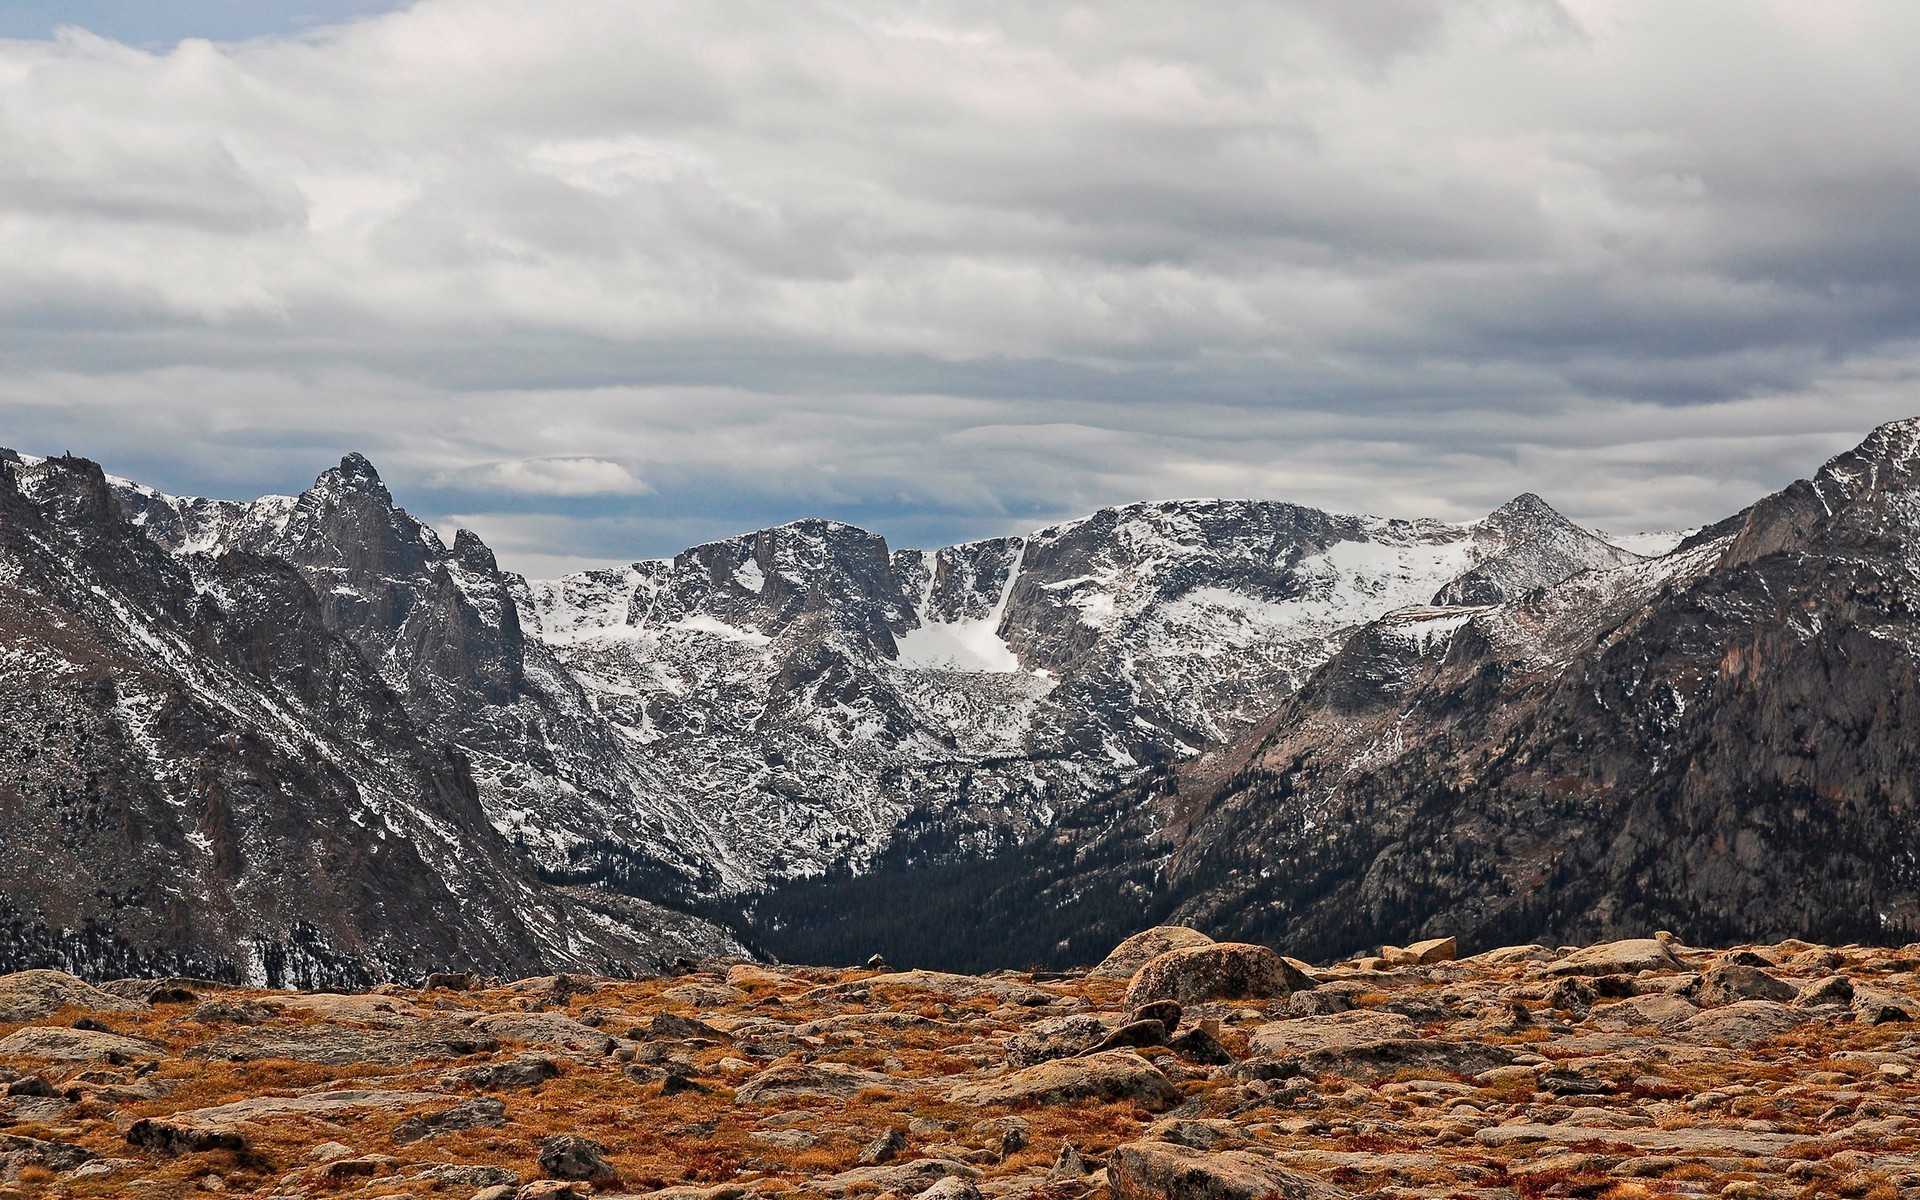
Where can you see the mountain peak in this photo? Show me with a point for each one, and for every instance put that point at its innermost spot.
(354, 474)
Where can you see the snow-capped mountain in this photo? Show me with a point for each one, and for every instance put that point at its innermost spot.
(804, 698)
(787, 704)
(1719, 741)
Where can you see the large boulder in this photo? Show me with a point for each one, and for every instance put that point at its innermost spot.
(1143, 947)
(1109, 1075)
(1166, 1171)
(1628, 957)
(36, 995)
(1304, 1035)
(1222, 971)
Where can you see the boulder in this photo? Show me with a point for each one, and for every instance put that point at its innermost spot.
(1223, 971)
(1434, 950)
(1134, 1033)
(17, 1153)
(1628, 957)
(1166, 1171)
(1061, 1037)
(1143, 947)
(1109, 1075)
(1734, 982)
(173, 1136)
(36, 995)
(548, 1030)
(77, 1045)
(1742, 1023)
(1833, 989)
(232, 1012)
(483, 1112)
(524, 1071)
(953, 1187)
(1359, 1027)
(572, 1157)
(833, 1081)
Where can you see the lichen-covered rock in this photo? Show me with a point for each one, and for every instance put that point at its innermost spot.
(787, 1081)
(1734, 982)
(1222, 971)
(1627, 957)
(1143, 947)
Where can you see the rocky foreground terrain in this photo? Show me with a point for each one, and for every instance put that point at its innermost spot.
(1179, 1068)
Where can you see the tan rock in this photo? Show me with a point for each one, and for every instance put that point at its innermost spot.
(1628, 957)
(787, 1081)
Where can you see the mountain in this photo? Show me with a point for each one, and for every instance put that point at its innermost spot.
(1718, 742)
(1264, 718)
(200, 774)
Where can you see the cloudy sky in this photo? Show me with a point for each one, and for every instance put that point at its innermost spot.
(604, 278)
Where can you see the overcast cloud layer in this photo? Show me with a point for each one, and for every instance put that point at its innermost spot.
(604, 279)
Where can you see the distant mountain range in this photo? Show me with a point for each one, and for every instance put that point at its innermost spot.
(304, 740)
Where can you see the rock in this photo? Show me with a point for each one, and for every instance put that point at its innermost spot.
(1304, 1035)
(1060, 1037)
(232, 1012)
(1742, 1023)
(77, 1045)
(524, 1071)
(677, 1084)
(1318, 1003)
(1110, 1075)
(36, 995)
(174, 1136)
(1165, 1171)
(1133, 1033)
(480, 1113)
(316, 1105)
(547, 1189)
(339, 1045)
(667, 1027)
(877, 963)
(883, 1149)
(1727, 984)
(1628, 957)
(1434, 950)
(1129, 956)
(786, 1081)
(1224, 971)
(1167, 1012)
(1199, 1046)
(1198, 1135)
(1068, 1164)
(548, 1030)
(571, 1157)
(17, 1153)
(953, 1187)
(1661, 1011)
(1833, 989)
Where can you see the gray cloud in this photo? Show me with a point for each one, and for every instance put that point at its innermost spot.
(604, 278)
